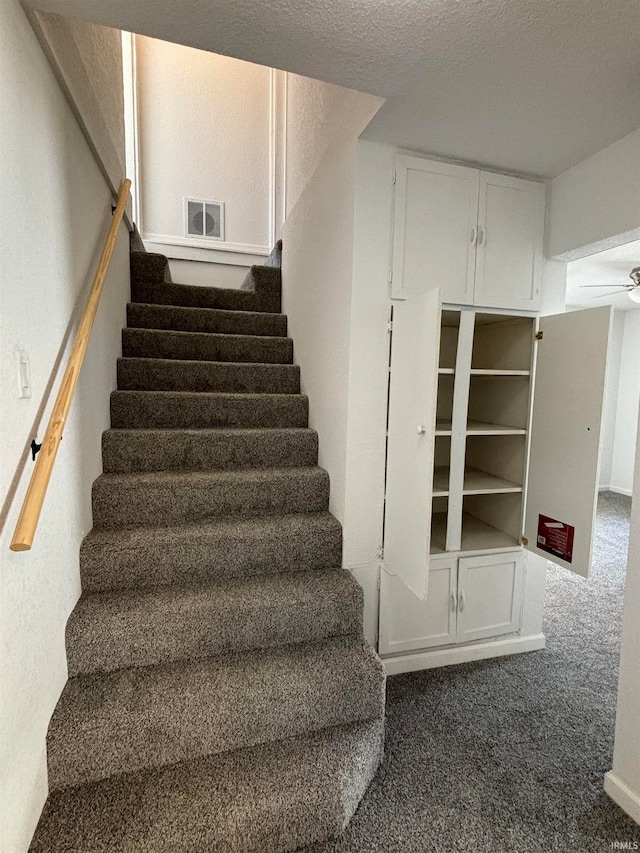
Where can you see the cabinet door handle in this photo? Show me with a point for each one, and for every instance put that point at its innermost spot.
(461, 600)
(481, 237)
(421, 429)
(474, 235)
(453, 601)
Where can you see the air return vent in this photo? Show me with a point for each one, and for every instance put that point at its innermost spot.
(203, 219)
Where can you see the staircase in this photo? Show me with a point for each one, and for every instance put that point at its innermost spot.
(221, 696)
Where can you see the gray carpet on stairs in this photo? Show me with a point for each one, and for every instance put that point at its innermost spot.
(137, 557)
(156, 374)
(221, 695)
(271, 797)
(508, 755)
(183, 319)
(144, 627)
(126, 450)
(118, 722)
(206, 346)
(184, 409)
(166, 497)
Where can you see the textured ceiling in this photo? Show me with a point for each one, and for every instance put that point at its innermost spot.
(606, 270)
(531, 86)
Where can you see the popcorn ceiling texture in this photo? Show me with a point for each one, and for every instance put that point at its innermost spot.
(528, 87)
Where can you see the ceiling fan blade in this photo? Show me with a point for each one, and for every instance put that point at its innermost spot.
(603, 295)
(603, 285)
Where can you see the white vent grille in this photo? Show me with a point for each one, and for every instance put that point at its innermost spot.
(203, 219)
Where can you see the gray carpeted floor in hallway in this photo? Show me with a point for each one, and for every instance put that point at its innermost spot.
(508, 756)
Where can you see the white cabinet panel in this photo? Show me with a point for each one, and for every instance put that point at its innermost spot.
(413, 389)
(510, 238)
(564, 460)
(476, 235)
(434, 228)
(408, 624)
(489, 596)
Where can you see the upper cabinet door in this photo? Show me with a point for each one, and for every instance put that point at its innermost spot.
(413, 389)
(435, 229)
(564, 461)
(510, 242)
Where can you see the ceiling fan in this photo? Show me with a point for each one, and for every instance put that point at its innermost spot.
(632, 289)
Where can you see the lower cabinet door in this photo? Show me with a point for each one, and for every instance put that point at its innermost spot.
(489, 596)
(408, 624)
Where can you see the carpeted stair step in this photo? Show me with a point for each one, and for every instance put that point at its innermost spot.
(198, 410)
(127, 450)
(206, 346)
(167, 497)
(149, 285)
(130, 719)
(140, 316)
(113, 630)
(271, 798)
(156, 374)
(213, 549)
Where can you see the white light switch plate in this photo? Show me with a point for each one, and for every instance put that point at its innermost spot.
(23, 366)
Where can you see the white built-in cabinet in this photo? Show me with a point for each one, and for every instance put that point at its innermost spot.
(476, 235)
(470, 599)
(493, 423)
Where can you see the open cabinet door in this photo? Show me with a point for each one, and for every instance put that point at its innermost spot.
(564, 460)
(413, 389)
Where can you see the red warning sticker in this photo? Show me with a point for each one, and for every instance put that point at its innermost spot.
(555, 537)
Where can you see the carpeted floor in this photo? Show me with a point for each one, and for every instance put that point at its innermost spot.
(508, 756)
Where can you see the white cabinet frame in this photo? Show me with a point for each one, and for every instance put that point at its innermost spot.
(470, 598)
(478, 235)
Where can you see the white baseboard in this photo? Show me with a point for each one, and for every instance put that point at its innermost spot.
(627, 492)
(627, 799)
(187, 249)
(396, 664)
(618, 491)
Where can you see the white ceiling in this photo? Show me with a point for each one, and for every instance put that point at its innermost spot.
(530, 86)
(606, 269)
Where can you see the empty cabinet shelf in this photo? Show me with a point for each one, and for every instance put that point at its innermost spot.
(443, 427)
(440, 481)
(481, 372)
(438, 533)
(479, 483)
(481, 428)
(477, 535)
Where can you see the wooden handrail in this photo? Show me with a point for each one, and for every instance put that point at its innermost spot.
(34, 498)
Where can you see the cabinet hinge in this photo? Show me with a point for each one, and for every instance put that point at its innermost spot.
(381, 548)
(390, 326)
(394, 177)
(524, 540)
(539, 336)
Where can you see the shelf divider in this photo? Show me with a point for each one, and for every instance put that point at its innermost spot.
(459, 428)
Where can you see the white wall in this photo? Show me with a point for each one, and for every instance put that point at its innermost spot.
(54, 214)
(318, 259)
(204, 132)
(595, 205)
(368, 371)
(316, 115)
(87, 59)
(622, 783)
(628, 397)
(205, 274)
(612, 382)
